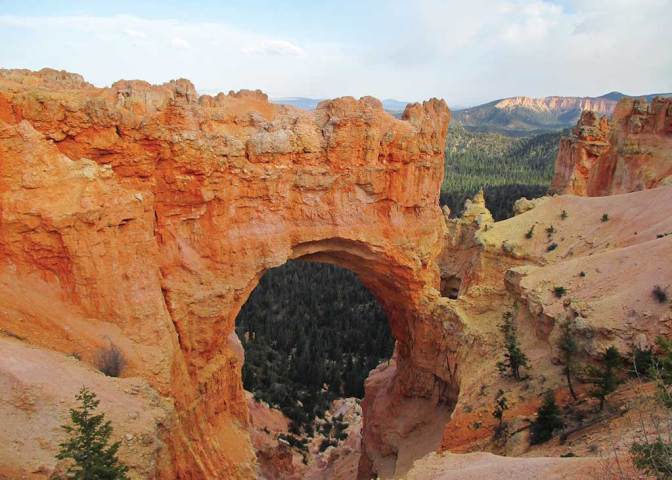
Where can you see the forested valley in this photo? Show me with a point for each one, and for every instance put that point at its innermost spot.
(311, 332)
(507, 168)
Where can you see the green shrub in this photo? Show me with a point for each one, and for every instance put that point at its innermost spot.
(552, 247)
(294, 441)
(559, 291)
(564, 215)
(605, 217)
(110, 361)
(662, 370)
(643, 362)
(660, 294)
(326, 443)
(653, 457)
(652, 451)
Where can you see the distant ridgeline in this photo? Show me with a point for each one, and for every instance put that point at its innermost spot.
(506, 167)
(525, 115)
(507, 146)
(311, 332)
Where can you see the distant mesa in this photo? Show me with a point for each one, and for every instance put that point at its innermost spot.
(525, 115)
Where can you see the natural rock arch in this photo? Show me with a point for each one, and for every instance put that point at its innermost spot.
(157, 211)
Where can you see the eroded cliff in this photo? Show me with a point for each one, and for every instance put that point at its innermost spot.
(630, 152)
(144, 215)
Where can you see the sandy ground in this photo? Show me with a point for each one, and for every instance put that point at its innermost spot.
(482, 466)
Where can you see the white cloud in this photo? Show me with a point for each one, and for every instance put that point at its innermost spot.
(134, 33)
(178, 42)
(274, 47)
(466, 52)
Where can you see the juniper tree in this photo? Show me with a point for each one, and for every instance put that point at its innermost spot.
(568, 351)
(514, 358)
(87, 445)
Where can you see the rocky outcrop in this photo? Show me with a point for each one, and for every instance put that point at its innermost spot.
(144, 216)
(515, 265)
(275, 457)
(631, 152)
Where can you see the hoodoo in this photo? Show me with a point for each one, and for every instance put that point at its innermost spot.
(630, 152)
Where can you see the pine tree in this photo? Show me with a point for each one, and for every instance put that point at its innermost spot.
(568, 350)
(514, 358)
(548, 420)
(87, 445)
(605, 379)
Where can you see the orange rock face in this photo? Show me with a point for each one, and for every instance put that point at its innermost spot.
(145, 215)
(631, 152)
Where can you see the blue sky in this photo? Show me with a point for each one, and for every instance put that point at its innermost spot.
(466, 52)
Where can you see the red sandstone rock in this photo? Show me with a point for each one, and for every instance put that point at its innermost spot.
(144, 216)
(150, 213)
(630, 153)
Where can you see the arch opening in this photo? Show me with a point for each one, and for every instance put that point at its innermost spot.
(312, 332)
(410, 385)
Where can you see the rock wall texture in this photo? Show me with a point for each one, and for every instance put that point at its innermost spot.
(500, 267)
(143, 216)
(630, 152)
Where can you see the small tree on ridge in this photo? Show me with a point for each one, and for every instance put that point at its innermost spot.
(87, 443)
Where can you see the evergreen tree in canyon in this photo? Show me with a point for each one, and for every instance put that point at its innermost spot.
(514, 358)
(568, 352)
(605, 377)
(311, 333)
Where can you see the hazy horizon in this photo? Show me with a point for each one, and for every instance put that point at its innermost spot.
(467, 53)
